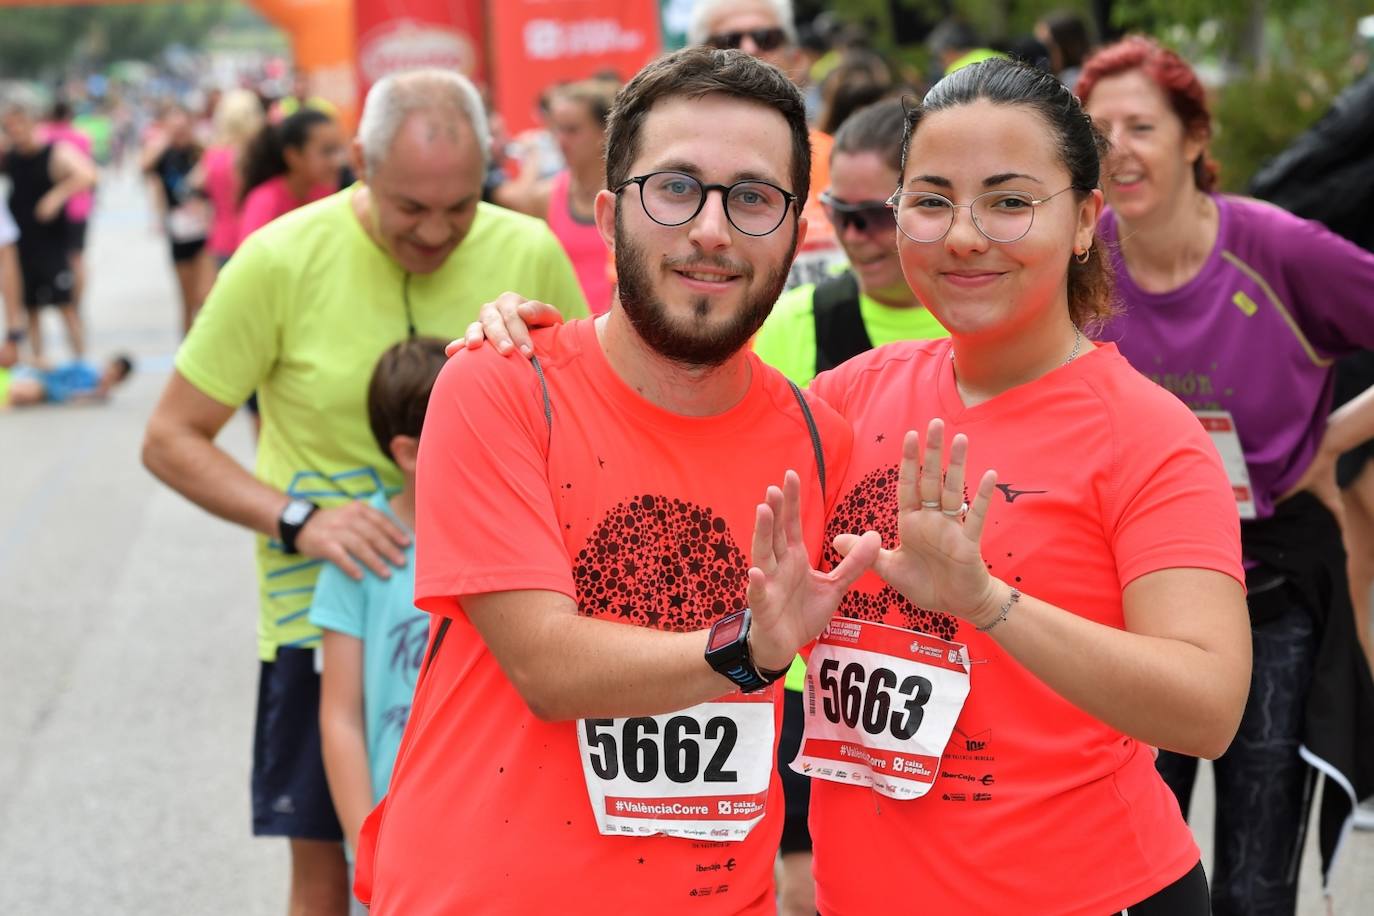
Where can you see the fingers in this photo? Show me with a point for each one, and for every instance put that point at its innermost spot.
(761, 549)
(340, 558)
(932, 461)
(908, 500)
(952, 493)
(978, 511)
(860, 552)
(792, 514)
(775, 504)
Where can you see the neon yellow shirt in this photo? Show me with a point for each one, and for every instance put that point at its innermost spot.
(301, 314)
(787, 342)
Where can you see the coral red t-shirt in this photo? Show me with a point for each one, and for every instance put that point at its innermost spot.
(643, 517)
(1039, 807)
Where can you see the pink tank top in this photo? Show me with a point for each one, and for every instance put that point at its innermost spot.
(582, 242)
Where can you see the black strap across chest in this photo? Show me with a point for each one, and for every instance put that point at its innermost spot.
(840, 331)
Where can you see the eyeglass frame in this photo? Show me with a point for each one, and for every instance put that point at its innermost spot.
(723, 41)
(895, 200)
(789, 199)
(830, 202)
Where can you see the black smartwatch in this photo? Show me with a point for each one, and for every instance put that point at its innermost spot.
(727, 652)
(292, 520)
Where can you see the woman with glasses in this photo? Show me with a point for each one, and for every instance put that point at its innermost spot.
(1240, 309)
(981, 715)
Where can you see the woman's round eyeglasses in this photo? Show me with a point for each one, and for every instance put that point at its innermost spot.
(1002, 216)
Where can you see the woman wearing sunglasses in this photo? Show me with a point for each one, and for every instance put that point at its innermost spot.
(982, 712)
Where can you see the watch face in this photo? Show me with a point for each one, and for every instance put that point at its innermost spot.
(296, 512)
(725, 632)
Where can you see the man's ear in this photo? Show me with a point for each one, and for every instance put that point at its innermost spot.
(405, 450)
(603, 211)
(356, 159)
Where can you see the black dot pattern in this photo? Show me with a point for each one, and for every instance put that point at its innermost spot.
(872, 506)
(663, 563)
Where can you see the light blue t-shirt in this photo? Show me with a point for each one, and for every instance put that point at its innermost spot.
(382, 613)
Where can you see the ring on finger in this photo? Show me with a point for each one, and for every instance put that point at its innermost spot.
(930, 504)
(955, 513)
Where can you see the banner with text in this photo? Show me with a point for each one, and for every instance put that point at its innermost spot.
(396, 35)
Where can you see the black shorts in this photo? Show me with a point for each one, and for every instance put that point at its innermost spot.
(76, 236)
(796, 788)
(290, 792)
(1188, 896)
(46, 275)
(187, 251)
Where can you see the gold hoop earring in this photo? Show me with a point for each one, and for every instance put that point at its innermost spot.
(1082, 256)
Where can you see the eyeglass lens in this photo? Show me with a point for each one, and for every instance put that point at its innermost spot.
(1002, 216)
(753, 207)
(763, 39)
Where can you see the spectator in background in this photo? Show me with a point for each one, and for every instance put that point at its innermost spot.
(238, 118)
(60, 129)
(288, 165)
(169, 160)
(955, 44)
(861, 78)
(72, 382)
(11, 290)
(765, 29)
(373, 635)
(1239, 309)
(577, 118)
(43, 178)
(1066, 36)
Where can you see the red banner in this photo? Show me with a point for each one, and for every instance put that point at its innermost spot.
(538, 43)
(394, 35)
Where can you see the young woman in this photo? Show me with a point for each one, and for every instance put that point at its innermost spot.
(289, 165)
(1239, 308)
(169, 162)
(981, 728)
(238, 118)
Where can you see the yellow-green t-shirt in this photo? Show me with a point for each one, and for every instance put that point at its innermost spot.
(787, 342)
(301, 314)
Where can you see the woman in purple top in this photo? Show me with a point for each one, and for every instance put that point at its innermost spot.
(1240, 309)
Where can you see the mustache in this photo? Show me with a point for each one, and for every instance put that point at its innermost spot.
(719, 262)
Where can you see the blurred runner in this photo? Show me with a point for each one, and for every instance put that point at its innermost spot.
(288, 165)
(60, 129)
(169, 161)
(238, 118)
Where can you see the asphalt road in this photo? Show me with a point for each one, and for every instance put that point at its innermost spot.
(127, 652)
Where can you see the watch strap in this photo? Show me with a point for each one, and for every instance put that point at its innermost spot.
(289, 531)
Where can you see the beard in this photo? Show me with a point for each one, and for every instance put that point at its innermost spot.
(695, 344)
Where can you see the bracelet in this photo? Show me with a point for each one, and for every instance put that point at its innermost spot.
(1002, 614)
(16, 336)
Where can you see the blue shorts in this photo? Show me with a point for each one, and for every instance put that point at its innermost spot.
(290, 792)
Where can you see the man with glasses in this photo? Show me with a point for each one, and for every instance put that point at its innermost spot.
(594, 730)
(766, 29)
(817, 326)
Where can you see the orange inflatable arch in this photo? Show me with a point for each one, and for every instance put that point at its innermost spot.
(321, 35)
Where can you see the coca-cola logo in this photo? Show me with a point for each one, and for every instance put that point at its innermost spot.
(408, 45)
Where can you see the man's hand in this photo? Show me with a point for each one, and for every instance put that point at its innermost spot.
(506, 323)
(939, 563)
(790, 601)
(352, 534)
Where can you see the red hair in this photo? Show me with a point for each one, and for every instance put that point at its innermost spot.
(1176, 80)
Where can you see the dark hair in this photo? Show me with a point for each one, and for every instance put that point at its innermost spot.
(860, 78)
(1080, 144)
(1069, 33)
(265, 156)
(61, 111)
(695, 72)
(953, 34)
(1176, 80)
(398, 393)
(597, 94)
(880, 128)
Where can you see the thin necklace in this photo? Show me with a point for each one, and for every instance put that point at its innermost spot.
(1077, 342)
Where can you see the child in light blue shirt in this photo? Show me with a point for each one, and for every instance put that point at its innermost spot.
(374, 638)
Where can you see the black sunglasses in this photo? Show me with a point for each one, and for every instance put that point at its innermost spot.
(872, 217)
(763, 39)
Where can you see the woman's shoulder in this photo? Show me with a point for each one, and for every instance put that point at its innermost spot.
(906, 358)
(1143, 409)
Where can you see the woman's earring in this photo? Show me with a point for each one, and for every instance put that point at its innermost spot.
(1082, 256)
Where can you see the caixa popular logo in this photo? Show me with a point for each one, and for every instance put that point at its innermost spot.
(407, 45)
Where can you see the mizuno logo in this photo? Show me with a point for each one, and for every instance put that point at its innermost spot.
(1011, 493)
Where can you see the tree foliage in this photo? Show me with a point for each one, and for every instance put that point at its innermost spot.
(41, 42)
